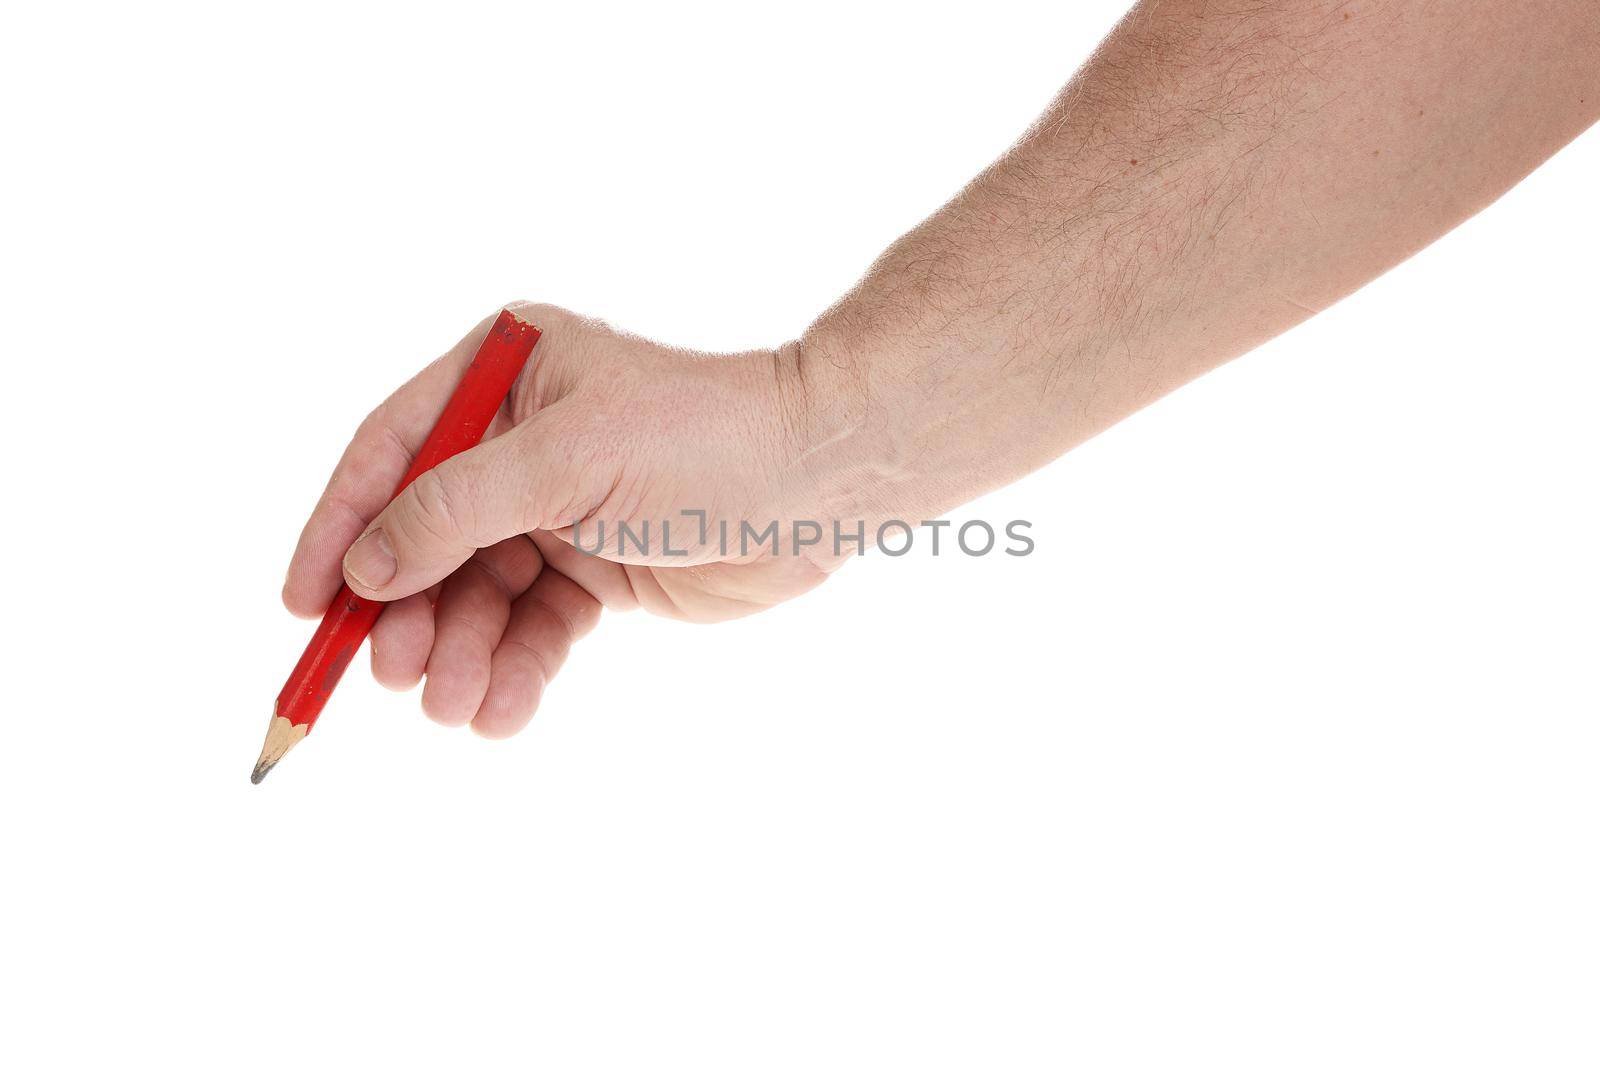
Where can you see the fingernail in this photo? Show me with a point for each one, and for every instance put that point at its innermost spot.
(370, 560)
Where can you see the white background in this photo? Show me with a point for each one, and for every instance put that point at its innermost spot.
(1281, 749)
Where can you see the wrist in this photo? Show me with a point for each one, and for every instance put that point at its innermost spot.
(857, 426)
(909, 415)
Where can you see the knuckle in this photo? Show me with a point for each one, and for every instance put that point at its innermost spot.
(547, 659)
(541, 315)
(437, 508)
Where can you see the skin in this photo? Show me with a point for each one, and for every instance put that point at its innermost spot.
(1214, 175)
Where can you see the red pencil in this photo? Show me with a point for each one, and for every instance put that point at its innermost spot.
(349, 618)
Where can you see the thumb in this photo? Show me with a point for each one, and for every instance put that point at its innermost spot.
(470, 501)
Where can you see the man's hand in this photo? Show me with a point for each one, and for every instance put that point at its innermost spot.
(1213, 176)
(477, 558)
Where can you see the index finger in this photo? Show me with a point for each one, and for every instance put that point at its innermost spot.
(372, 466)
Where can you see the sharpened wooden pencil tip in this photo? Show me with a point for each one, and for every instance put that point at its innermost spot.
(282, 735)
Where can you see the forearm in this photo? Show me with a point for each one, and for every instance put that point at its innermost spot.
(1214, 175)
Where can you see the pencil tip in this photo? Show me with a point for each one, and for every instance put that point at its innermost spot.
(282, 735)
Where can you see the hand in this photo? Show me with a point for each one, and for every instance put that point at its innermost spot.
(487, 591)
(1208, 180)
